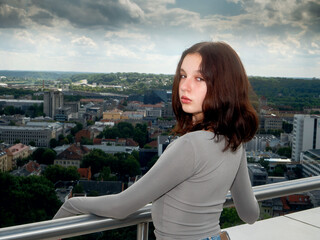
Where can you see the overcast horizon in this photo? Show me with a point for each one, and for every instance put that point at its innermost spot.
(273, 38)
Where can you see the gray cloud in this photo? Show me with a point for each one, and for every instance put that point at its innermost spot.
(308, 14)
(83, 13)
(11, 17)
(43, 18)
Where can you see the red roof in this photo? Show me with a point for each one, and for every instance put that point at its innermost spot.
(85, 172)
(32, 166)
(97, 141)
(73, 152)
(298, 198)
(284, 203)
(82, 133)
(153, 144)
(131, 142)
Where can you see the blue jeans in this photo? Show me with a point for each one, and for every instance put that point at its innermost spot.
(222, 236)
(212, 238)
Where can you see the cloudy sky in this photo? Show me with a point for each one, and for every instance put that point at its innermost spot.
(273, 37)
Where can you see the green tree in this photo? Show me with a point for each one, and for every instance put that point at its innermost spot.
(135, 153)
(285, 151)
(37, 154)
(111, 132)
(264, 164)
(44, 155)
(105, 175)
(86, 141)
(61, 139)
(26, 200)
(53, 143)
(77, 189)
(279, 170)
(54, 173)
(153, 160)
(229, 218)
(140, 137)
(125, 129)
(126, 166)
(76, 129)
(64, 141)
(49, 156)
(90, 122)
(132, 166)
(32, 143)
(97, 159)
(70, 138)
(9, 110)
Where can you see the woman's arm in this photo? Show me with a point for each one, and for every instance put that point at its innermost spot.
(242, 194)
(174, 166)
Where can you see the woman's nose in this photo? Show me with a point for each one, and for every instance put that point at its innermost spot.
(185, 84)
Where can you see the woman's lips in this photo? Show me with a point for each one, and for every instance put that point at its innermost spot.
(185, 100)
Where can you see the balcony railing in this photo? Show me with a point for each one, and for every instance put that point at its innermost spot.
(85, 224)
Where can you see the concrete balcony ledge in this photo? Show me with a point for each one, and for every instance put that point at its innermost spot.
(295, 226)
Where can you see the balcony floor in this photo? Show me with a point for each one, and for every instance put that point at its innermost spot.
(294, 226)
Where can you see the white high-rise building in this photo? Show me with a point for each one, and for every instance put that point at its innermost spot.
(311, 163)
(306, 134)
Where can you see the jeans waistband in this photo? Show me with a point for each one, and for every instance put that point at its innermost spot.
(222, 236)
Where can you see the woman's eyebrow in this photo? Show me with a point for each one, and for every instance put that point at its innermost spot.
(197, 71)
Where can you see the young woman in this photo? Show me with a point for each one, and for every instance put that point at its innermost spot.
(189, 183)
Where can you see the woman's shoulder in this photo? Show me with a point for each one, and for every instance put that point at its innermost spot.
(208, 140)
(196, 138)
(200, 135)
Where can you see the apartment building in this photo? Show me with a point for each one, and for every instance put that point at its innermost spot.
(270, 122)
(306, 134)
(72, 156)
(310, 161)
(14, 153)
(258, 175)
(3, 161)
(52, 100)
(40, 135)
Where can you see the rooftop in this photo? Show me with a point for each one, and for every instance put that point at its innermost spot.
(21, 101)
(256, 168)
(315, 152)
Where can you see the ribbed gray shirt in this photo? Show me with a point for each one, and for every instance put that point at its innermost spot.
(187, 185)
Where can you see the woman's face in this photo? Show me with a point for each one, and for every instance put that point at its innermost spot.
(192, 86)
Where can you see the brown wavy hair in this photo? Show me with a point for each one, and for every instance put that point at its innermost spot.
(226, 108)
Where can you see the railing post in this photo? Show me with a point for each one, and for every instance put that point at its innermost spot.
(142, 232)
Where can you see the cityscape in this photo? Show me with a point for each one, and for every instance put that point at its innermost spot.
(86, 108)
(90, 143)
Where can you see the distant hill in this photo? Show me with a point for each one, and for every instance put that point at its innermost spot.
(284, 93)
(36, 75)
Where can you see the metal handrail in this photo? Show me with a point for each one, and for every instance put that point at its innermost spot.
(85, 224)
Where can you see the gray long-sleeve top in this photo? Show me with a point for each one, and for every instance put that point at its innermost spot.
(187, 185)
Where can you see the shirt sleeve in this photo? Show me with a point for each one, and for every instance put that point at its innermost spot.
(243, 197)
(175, 165)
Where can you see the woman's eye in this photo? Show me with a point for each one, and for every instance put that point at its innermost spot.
(199, 79)
(183, 76)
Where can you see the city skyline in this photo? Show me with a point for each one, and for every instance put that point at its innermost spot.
(273, 38)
